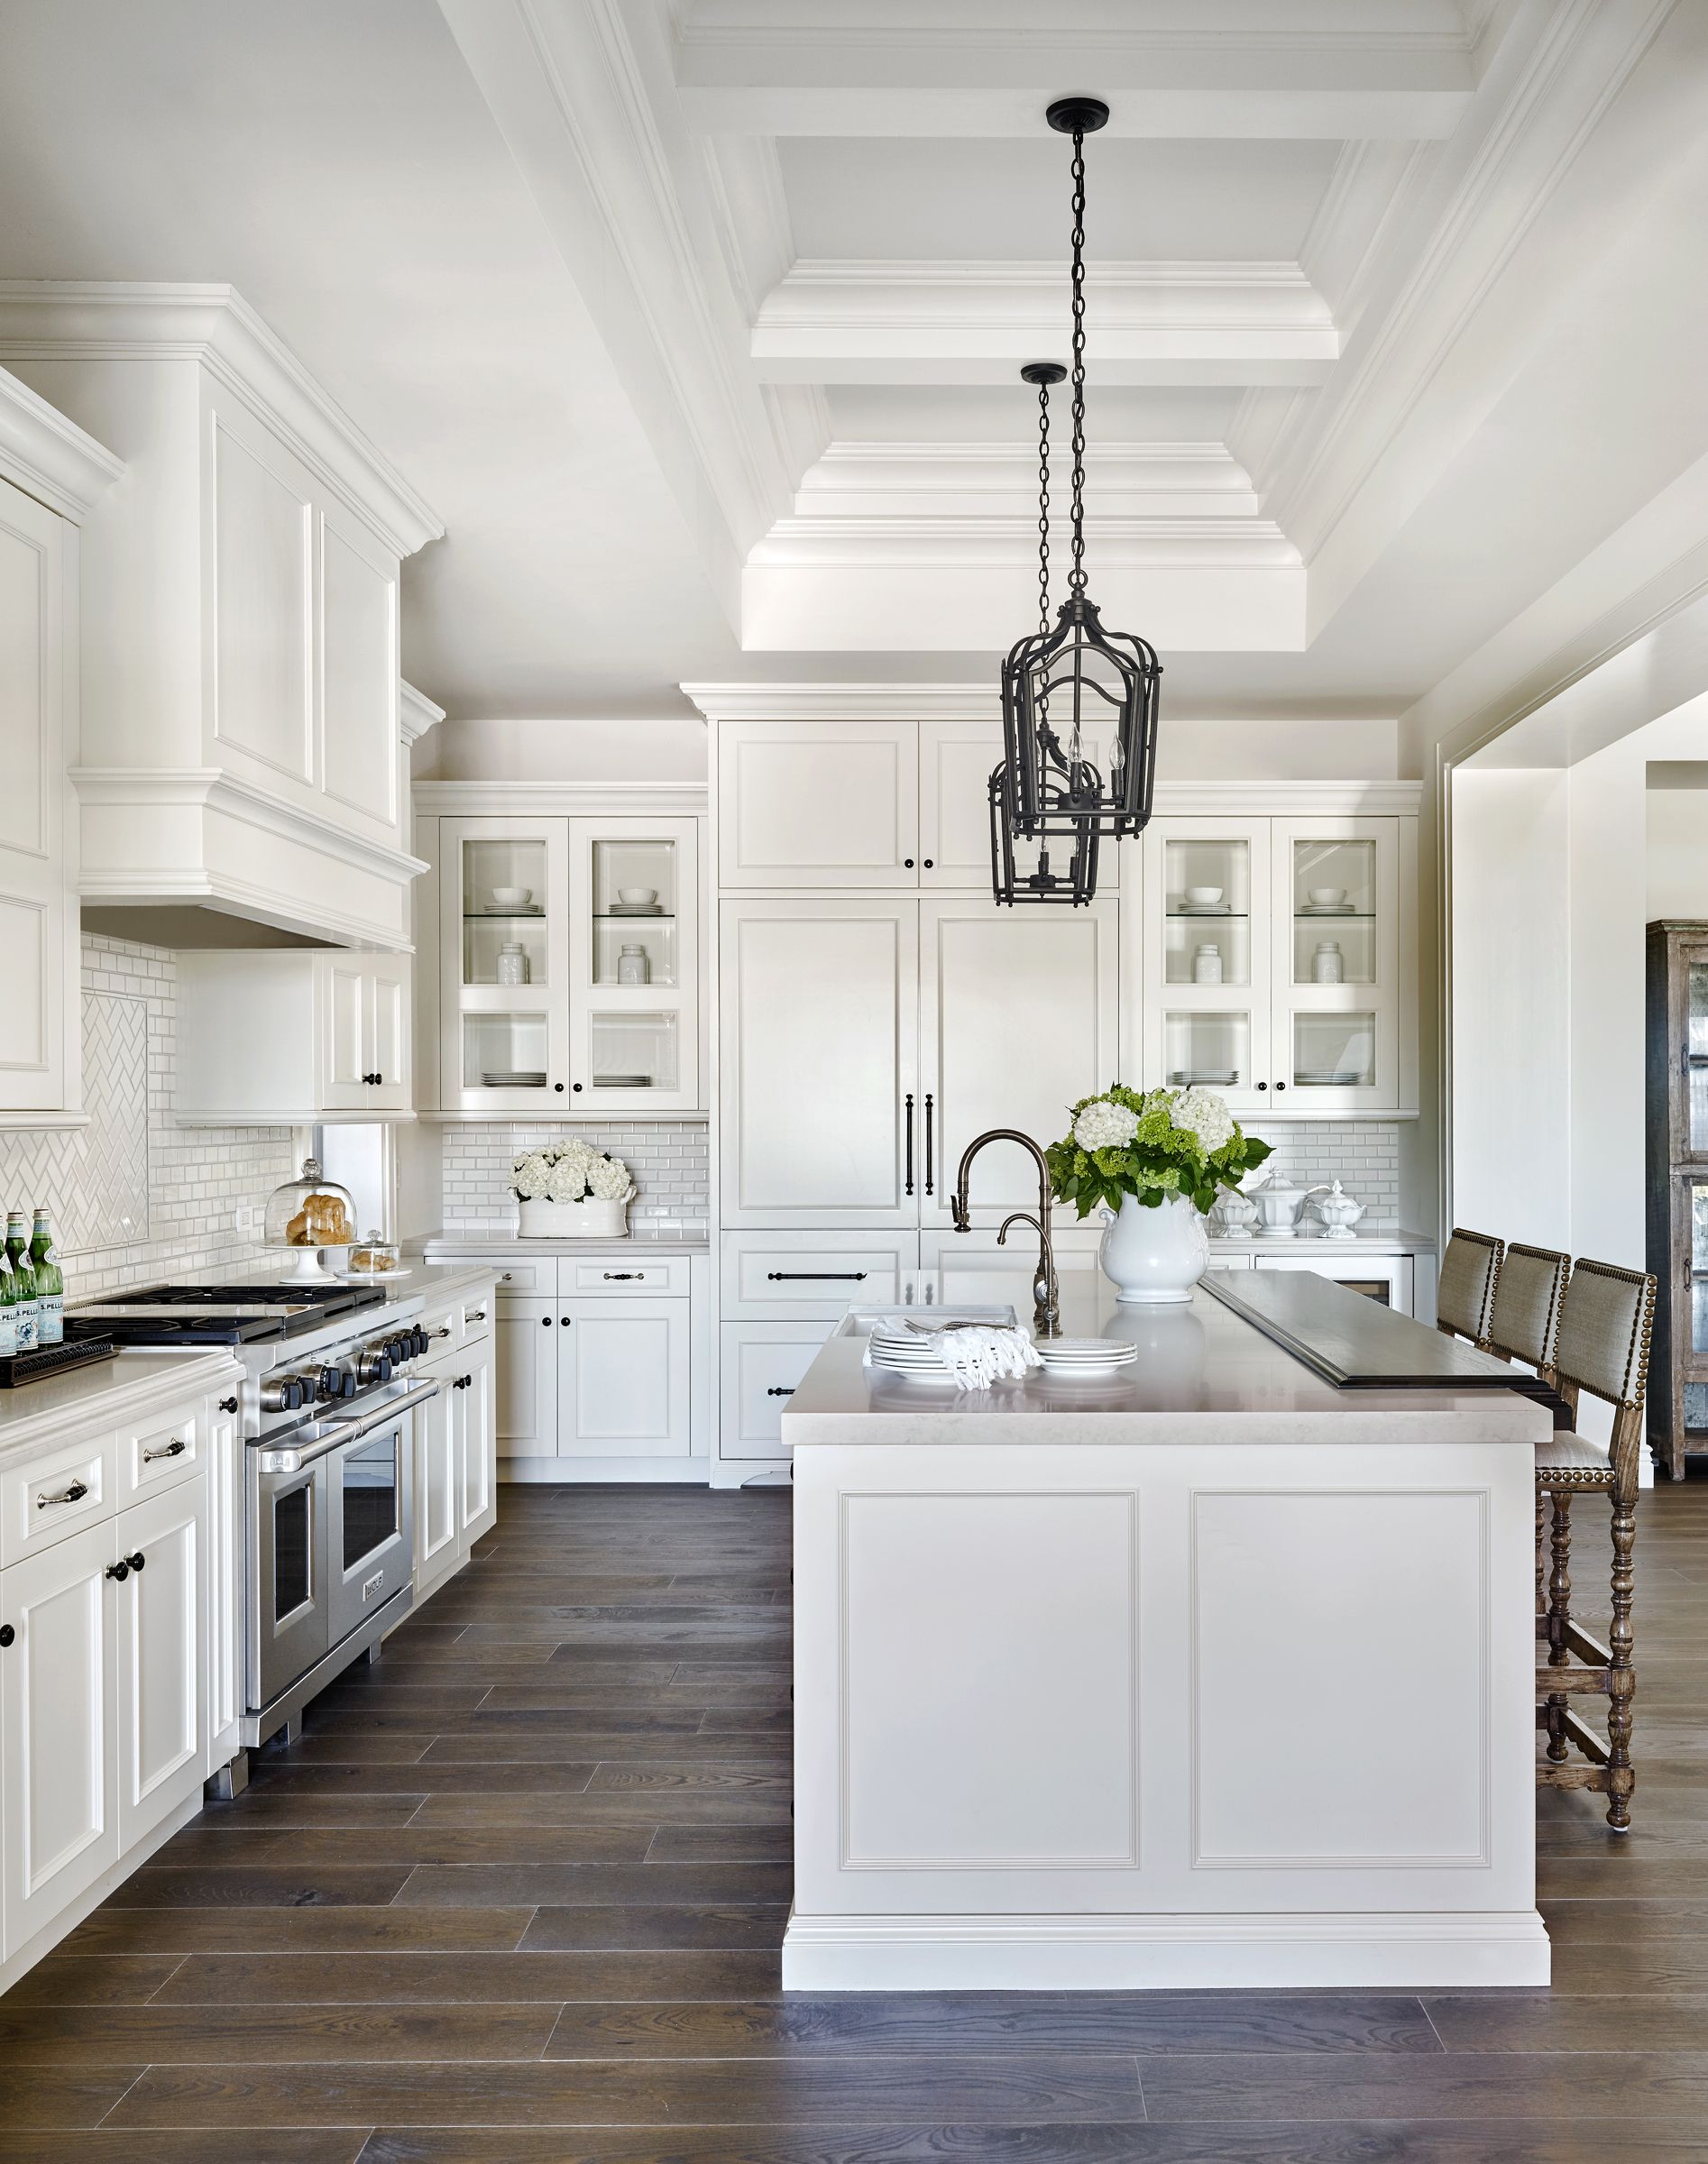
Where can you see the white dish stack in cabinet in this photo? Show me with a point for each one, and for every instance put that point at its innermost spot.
(522, 928)
(876, 1010)
(118, 1602)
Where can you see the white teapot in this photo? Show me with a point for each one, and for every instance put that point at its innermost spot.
(1339, 1213)
(1279, 1203)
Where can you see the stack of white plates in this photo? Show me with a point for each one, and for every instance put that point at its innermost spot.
(1085, 1356)
(895, 1353)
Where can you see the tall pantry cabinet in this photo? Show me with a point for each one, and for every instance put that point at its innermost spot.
(876, 1012)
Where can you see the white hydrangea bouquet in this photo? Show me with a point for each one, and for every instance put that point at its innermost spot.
(571, 1191)
(1153, 1145)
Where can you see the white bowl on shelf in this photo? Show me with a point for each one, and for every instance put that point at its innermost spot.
(638, 897)
(512, 897)
(1326, 897)
(1203, 897)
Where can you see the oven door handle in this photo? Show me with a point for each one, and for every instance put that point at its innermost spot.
(285, 1457)
(363, 1424)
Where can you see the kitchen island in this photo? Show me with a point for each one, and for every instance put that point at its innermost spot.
(1212, 1672)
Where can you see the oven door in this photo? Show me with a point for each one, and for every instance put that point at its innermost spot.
(370, 1483)
(290, 1610)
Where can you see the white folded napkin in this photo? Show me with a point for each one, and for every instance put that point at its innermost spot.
(976, 1354)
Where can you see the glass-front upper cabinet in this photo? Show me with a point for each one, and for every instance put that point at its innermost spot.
(1206, 959)
(1335, 941)
(568, 952)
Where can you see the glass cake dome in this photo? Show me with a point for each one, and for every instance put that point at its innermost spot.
(307, 1214)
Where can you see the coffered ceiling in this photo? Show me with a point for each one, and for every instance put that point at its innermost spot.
(700, 320)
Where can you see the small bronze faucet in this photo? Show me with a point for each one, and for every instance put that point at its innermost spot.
(1046, 1293)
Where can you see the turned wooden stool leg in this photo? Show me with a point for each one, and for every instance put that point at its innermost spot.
(1558, 1617)
(1541, 1541)
(1621, 1676)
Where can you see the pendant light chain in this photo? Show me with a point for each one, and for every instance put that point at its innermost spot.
(1043, 509)
(1077, 579)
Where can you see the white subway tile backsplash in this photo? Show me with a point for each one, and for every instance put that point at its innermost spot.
(1363, 1155)
(667, 1160)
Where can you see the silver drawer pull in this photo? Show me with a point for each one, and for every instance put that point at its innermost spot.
(75, 1493)
(444, 1333)
(475, 1314)
(174, 1449)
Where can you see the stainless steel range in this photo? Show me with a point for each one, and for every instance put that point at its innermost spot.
(327, 1410)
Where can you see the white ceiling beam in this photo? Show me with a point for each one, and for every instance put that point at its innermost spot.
(960, 322)
(1273, 73)
(1164, 482)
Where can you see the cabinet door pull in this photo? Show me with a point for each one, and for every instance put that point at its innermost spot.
(1279, 1088)
(910, 1143)
(544, 1322)
(928, 1143)
(620, 1277)
(174, 1449)
(475, 1314)
(8, 1637)
(75, 1493)
(446, 1332)
(228, 1404)
(779, 1391)
(564, 1320)
(138, 1560)
(121, 1570)
(814, 1277)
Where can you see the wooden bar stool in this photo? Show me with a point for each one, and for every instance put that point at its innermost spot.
(1600, 1345)
(1522, 1316)
(1467, 1284)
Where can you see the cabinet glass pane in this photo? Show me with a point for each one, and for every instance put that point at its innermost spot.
(1206, 902)
(1334, 893)
(1696, 1049)
(1334, 1051)
(504, 908)
(504, 1051)
(633, 1051)
(634, 892)
(1699, 1266)
(1211, 1050)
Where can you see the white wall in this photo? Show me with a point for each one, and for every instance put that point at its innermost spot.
(499, 750)
(1677, 841)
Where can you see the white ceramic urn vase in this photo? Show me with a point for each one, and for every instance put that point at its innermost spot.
(1153, 1257)
(591, 1218)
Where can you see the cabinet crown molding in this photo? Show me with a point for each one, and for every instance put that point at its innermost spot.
(416, 713)
(48, 456)
(107, 319)
(574, 800)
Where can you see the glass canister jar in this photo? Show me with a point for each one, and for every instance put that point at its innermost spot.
(1207, 964)
(1328, 965)
(512, 963)
(634, 966)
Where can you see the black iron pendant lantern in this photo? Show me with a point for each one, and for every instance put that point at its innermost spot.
(1059, 685)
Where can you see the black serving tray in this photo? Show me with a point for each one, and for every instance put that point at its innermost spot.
(19, 1369)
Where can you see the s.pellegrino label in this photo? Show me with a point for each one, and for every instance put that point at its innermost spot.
(23, 1278)
(8, 1308)
(50, 1283)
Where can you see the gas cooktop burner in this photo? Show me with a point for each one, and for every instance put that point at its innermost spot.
(220, 1315)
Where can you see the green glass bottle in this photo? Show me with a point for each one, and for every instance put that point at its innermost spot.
(49, 1282)
(23, 1278)
(8, 1308)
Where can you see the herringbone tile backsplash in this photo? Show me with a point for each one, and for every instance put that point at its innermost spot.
(134, 1196)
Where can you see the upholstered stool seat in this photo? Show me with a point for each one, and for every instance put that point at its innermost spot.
(1569, 1460)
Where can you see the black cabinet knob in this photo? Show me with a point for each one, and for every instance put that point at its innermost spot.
(564, 1320)
(544, 1322)
(1263, 1086)
(928, 863)
(138, 1560)
(780, 1392)
(120, 1570)
(1279, 1088)
(576, 1087)
(907, 864)
(228, 1404)
(8, 1637)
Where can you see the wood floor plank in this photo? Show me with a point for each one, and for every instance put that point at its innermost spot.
(93, 1980)
(231, 1930)
(519, 1845)
(1022, 2090)
(467, 1979)
(204, 2035)
(61, 2096)
(325, 1777)
(1554, 2020)
(1623, 2085)
(722, 1844)
(649, 1805)
(187, 2145)
(723, 1929)
(259, 1887)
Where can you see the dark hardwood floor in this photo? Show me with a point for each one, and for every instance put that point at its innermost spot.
(517, 1896)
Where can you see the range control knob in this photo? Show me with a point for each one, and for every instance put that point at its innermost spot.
(285, 1393)
(419, 1342)
(373, 1364)
(337, 1381)
(401, 1347)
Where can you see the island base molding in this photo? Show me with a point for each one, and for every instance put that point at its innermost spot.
(1440, 1951)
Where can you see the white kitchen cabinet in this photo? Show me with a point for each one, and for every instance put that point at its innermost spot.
(1387, 1279)
(40, 1010)
(818, 803)
(819, 1021)
(293, 1038)
(437, 1485)
(573, 1037)
(759, 1366)
(809, 1277)
(956, 759)
(1228, 976)
(623, 1386)
(991, 981)
(525, 1364)
(226, 1683)
(59, 1744)
(476, 1448)
(162, 1656)
(240, 738)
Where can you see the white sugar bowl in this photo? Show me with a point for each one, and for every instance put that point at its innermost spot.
(1236, 1214)
(1339, 1213)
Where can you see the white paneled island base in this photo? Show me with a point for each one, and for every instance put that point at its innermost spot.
(1215, 1676)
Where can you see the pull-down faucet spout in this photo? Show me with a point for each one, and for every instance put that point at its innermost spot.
(1046, 1309)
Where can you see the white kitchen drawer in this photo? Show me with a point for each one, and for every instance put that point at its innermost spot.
(522, 1280)
(811, 1277)
(475, 1318)
(661, 1277)
(1230, 1262)
(160, 1455)
(761, 1365)
(58, 1494)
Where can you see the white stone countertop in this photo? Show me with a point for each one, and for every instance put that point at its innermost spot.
(508, 1250)
(1310, 1238)
(40, 1415)
(1204, 1375)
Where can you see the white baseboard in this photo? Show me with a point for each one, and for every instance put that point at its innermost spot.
(1446, 1951)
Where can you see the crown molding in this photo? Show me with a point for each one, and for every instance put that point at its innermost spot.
(1133, 480)
(101, 319)
(847, 702)
(416, 714)
(900, 321)
(944, 544)
(654, 799)
(48, 456)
